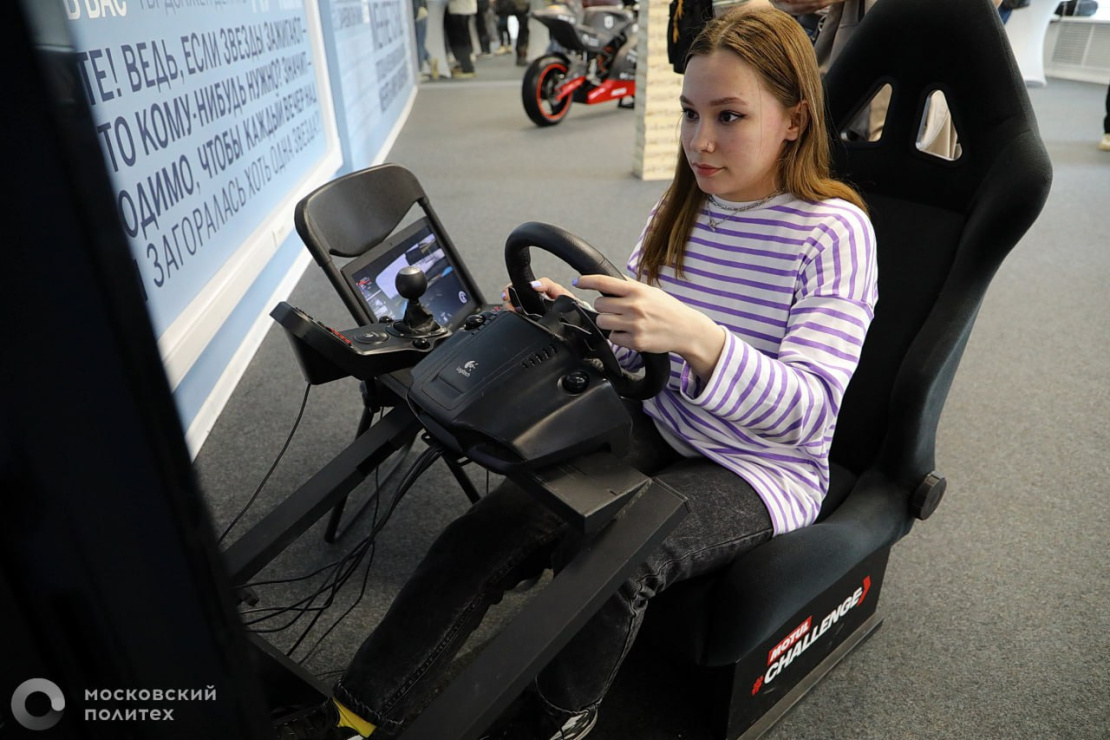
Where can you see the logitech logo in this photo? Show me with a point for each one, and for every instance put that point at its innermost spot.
(467, 368)
(38, 686)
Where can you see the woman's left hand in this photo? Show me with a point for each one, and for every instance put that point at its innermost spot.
(546, 287)
(647, 319)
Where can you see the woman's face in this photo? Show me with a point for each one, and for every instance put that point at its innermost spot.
(733, 129)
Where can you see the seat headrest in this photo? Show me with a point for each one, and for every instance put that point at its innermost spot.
(956, 46)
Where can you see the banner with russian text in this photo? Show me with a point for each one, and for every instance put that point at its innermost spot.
(371, 51)
(214, 117)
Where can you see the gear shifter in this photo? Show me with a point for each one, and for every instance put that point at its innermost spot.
(417, 321)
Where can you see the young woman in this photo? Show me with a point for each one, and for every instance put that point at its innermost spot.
(756, 272)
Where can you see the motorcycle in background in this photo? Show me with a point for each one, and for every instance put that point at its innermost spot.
(597, 62)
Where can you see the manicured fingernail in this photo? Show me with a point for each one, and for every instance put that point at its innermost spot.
(536, 284)
(574, 282)
(504, 297)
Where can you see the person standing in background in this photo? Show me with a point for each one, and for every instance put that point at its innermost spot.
(835, 21)
(504, 9)
(456, 27)
(420, 26)
(520, 10)
(481, 21)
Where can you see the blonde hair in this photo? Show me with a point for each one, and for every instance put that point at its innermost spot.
(773, 44)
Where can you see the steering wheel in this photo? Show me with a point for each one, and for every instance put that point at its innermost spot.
(587, 261)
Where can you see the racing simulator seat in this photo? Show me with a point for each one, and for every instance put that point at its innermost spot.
(774, 622)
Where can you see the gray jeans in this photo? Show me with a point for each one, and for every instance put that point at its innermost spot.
(508, 536)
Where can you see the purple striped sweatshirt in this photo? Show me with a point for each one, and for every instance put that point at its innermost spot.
(794, 284)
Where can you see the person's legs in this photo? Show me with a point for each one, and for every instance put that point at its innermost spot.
(502, 539)
(422, 56)
(503, 36)
(522, 38)
(468, 569)
(481, 21)
(1106, 120)
(726, 519)
(458, 37)
(1104, 144)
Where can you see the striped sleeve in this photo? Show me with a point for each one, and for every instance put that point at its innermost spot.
(793, 398)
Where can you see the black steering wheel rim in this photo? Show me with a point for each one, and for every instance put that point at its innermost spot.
(577, 253)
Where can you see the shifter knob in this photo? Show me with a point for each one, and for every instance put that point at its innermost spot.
(411, 282)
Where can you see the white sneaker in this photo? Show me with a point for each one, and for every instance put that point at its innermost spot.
(1104, 145)
(577, 726)
(532, 723)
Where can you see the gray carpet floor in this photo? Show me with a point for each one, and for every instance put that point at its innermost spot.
(997, 609)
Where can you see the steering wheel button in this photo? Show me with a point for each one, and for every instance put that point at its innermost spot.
(575, 382)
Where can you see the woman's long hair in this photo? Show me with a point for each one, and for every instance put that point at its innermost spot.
(773, 44)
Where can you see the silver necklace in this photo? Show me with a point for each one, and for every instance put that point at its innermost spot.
(733, 210)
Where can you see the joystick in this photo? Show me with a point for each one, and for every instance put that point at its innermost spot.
(411, 284)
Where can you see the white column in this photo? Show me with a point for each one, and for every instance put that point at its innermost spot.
(657, 89)
(1026, 30)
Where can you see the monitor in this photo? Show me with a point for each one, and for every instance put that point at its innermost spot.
(450, 296)
(117, 610)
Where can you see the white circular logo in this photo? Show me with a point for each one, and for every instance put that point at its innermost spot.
(38, 686)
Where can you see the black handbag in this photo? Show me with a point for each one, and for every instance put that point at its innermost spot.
(685, 20)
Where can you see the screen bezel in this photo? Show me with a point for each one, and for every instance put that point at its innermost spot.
(407, 237)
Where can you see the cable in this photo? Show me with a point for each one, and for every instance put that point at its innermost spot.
(400, 457)
(342, 569)
(361, 593)
(333, 566)
(422, 463)
(254, 496)
(371, 547)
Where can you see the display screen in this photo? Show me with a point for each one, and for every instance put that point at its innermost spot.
(374, 276)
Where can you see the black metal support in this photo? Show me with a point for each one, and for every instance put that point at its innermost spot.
(587, 491)
(463, 479)
(286, 685)
(266, 539)
(546, 623)
(364, 422)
